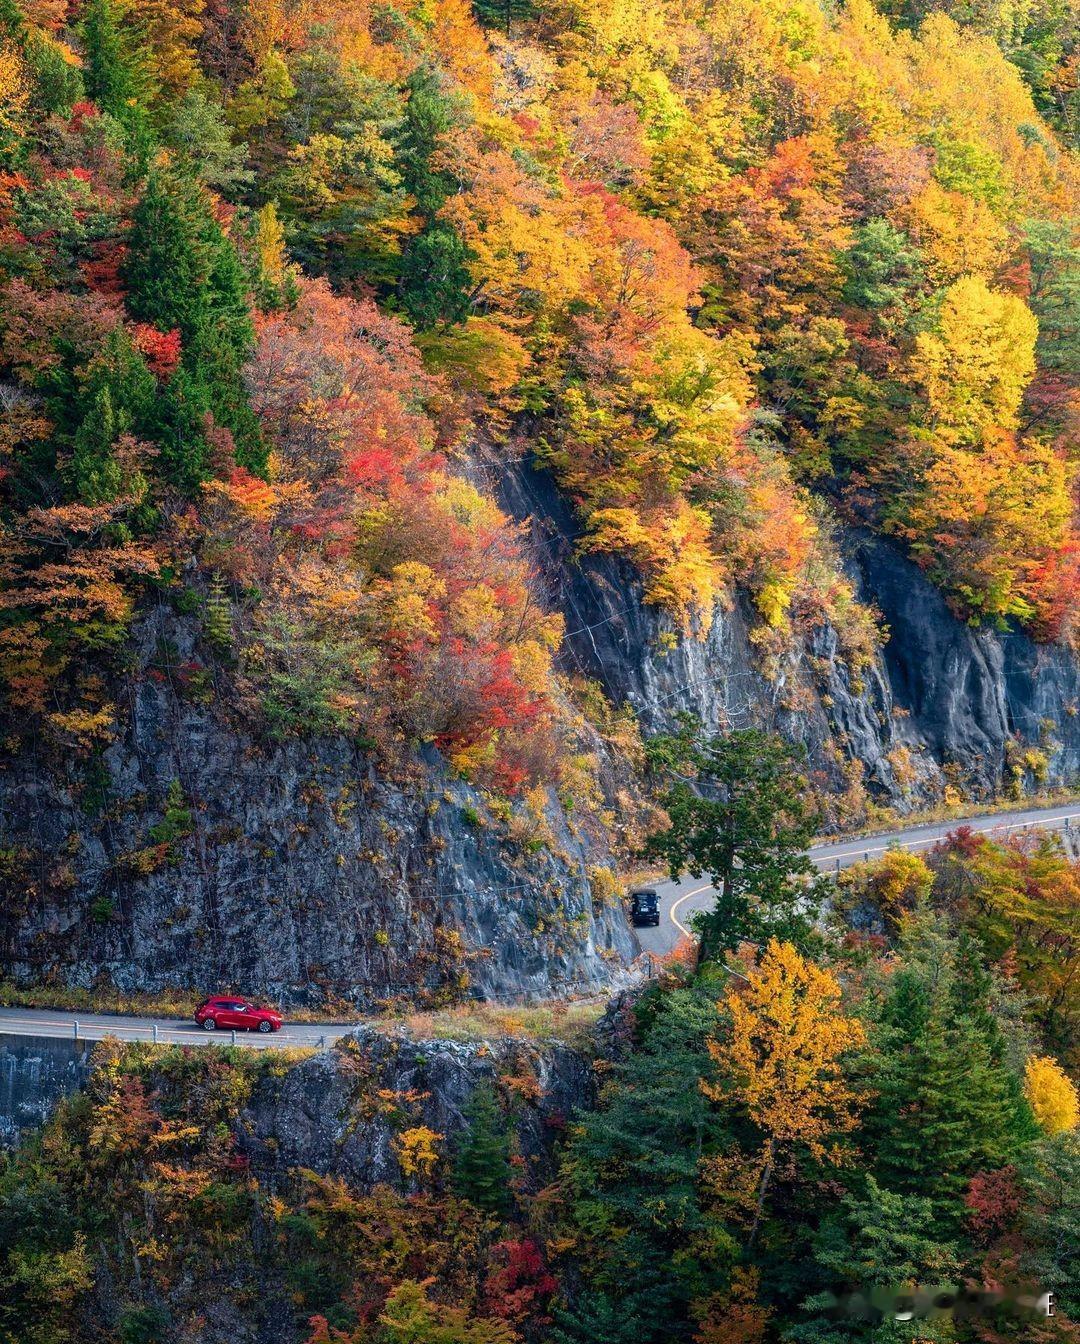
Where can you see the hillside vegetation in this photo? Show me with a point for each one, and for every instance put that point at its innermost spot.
(269, 273)
(288, 289)
(883, 1109)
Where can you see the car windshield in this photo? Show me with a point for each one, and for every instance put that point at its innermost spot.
(645, 898)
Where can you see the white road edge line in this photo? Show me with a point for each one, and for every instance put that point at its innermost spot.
(900, 843)
(853, 852)
(881, 849)
(51, 1028)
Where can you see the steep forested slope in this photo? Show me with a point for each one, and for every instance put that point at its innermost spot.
(291, 294)
(771, 1150)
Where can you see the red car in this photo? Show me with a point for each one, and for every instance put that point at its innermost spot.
(233, 1014)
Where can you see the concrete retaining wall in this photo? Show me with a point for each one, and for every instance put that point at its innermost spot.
(35, 1072)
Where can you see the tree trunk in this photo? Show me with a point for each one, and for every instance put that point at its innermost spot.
(762, 1188)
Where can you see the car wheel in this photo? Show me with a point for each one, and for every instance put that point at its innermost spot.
(208, 1024)
(264, 1027)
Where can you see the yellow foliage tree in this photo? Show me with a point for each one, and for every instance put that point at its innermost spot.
(270, 241)
(416, 1151)
(783, 1060)
(986, 523)
(14, 93)
(974, 368)
(1052, 1094)
(170, 30)
(958, 234)
(895, 883)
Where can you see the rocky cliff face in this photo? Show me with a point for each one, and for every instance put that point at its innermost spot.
(976, 700)
(196, 856)
(299, 872)
(310, 1174)
(324, 1115)
(943, 703)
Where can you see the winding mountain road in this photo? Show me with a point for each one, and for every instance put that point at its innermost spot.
(679, 900)
(62, 1025)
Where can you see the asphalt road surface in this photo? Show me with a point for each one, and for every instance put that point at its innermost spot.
(168, 1031)
(679, 900)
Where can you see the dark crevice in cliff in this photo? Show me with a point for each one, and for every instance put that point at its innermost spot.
(943, 703)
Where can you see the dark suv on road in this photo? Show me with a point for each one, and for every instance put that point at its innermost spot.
(644, 908)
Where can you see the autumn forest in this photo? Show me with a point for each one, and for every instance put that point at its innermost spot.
(289, 291)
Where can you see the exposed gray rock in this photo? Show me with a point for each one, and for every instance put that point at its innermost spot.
(306, 873)
(944, 703)
(330, 1114)
(341, 1114)
(973, 695)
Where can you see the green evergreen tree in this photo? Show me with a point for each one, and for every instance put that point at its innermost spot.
(97, 475)
(429, 114)
(1055, 291)
(12, 22)
(217, 619)
(178, 425)
(1050, 1176)
(482, 1160)
(649, 1242)
(613, 1318)
(113, 75)
(115, 400)
(878, 1240)
(881, 266)
(169, 260)
(229, 311)
(434, 285)
(972, 997)
(502, 14)
(182, 272)
(117, 75)
(738, 810)
(945, 1106)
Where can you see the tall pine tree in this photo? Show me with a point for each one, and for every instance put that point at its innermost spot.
(117, 74)
(434, 284)
(482, 1161)
(183, 273)
(946, 1105)
(649, 1240)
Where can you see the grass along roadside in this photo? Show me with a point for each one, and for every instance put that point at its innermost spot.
(885, 820)
(569, 1020)
(113, 1001)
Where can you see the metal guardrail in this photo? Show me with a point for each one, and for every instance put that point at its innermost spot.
(832, 864)
(159, 1035)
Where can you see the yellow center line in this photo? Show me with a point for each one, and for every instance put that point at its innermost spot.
(671, 913)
